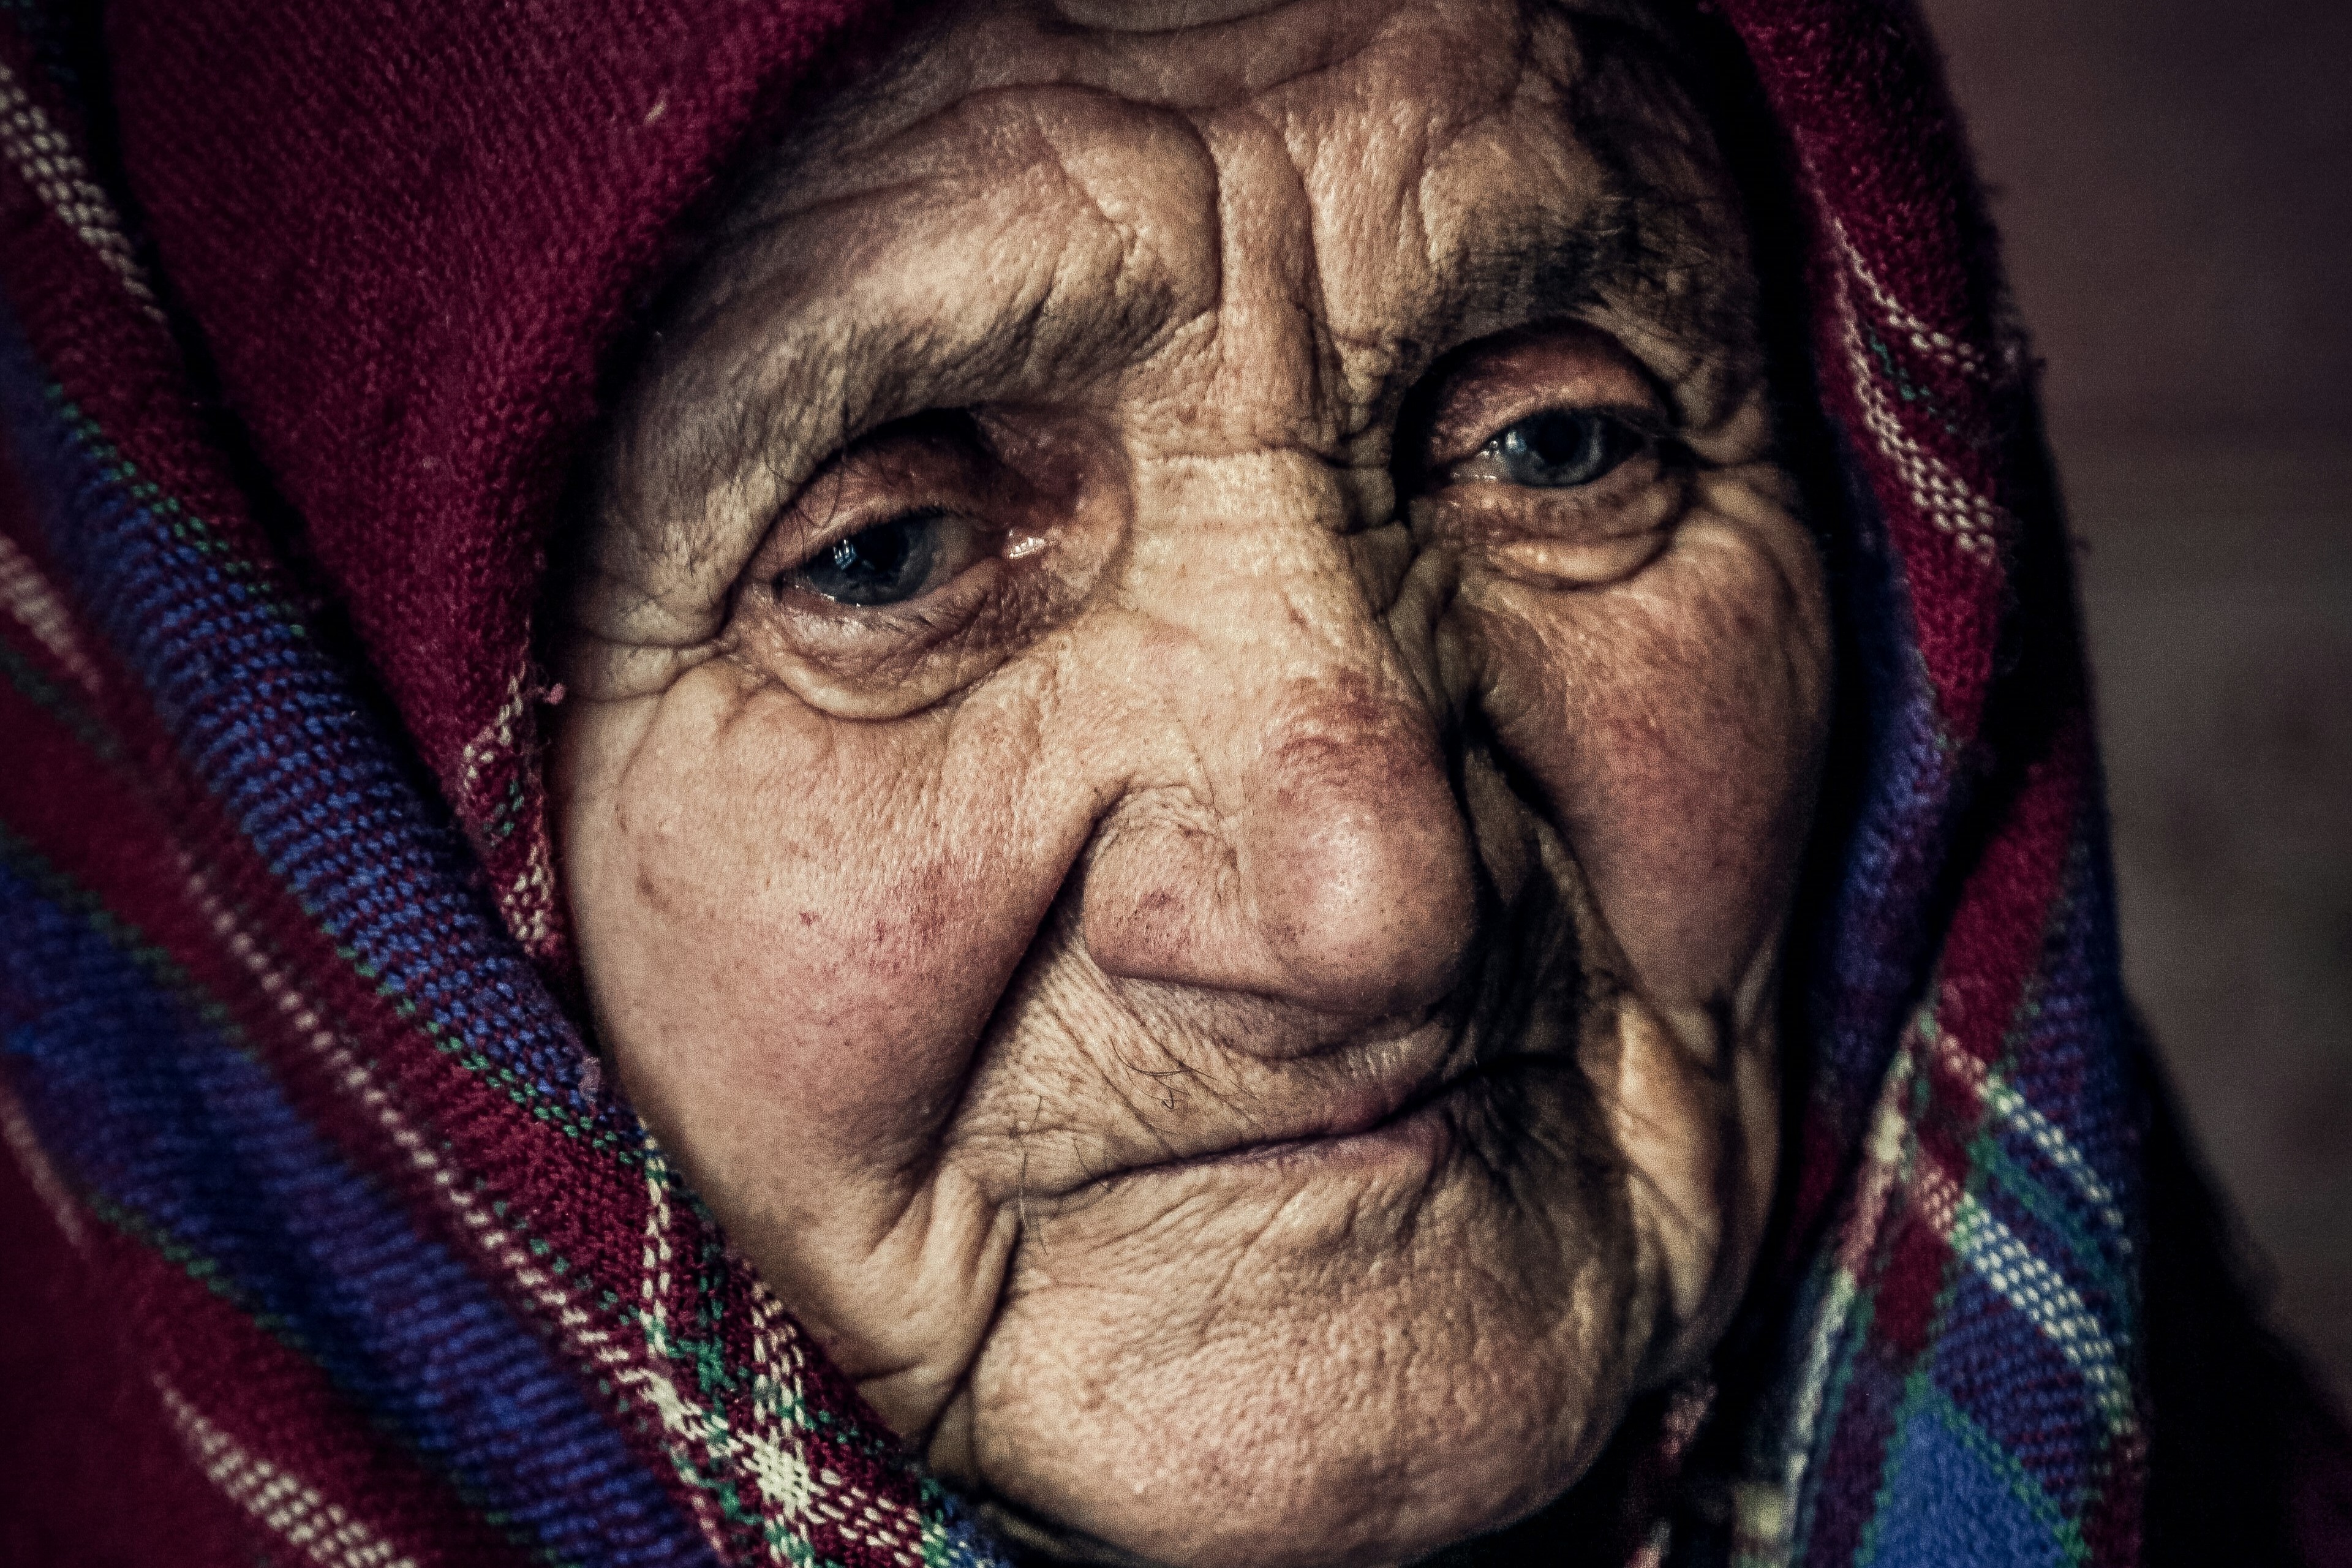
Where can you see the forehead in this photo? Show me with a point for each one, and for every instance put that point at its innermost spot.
(1194, 54)
(1230, 55)
(1488, 124)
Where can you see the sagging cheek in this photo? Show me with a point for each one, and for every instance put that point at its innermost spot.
(1674, 724)
(808, 920)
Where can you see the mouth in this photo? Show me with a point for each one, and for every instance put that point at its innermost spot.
(1374, 1128)
(1452, 1082)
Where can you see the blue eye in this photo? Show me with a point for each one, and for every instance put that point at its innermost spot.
(888, 564)
(1560, 448)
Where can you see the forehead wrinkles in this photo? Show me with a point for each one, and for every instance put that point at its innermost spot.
(987, 166)
(1227, 114)
(1340, 80)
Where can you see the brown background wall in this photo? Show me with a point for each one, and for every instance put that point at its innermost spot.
(2175, 182)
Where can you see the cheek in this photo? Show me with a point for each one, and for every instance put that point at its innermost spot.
(795, 926)
(1674, 724)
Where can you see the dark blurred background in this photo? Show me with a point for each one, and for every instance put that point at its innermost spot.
(2174, 180)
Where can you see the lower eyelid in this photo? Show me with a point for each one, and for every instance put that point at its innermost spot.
(920, 611)
(1574, 565)
(861, 644)
(1639, 496)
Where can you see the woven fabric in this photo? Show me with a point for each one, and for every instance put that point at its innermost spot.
(352, 1222)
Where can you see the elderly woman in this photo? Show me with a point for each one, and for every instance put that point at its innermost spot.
(1184, 780)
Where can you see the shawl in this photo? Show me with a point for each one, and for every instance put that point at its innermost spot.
(327, 1244)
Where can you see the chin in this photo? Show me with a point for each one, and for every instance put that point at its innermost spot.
(1353, 1353)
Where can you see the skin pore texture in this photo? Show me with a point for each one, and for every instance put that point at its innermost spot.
(1194, 700)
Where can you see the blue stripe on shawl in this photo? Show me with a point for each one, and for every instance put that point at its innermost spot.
(1864, 970)
(305, 768)
(309, 776)
(1967, 1505)
(2074, 1063)
(169, 1118)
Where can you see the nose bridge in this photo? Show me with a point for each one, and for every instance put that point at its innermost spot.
(1324, 859)
(1252, 566)
(1308, 697)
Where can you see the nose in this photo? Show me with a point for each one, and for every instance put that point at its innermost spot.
(1341, 882)
(1319, 856)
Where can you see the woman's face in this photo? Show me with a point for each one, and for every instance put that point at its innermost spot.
(1194, 693)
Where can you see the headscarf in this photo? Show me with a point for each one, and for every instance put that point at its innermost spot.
(345, 1251)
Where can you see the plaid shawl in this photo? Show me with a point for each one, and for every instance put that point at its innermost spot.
(343, 1250)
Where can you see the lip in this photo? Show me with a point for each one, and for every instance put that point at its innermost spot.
(1420, 1132)
(1375, 1127)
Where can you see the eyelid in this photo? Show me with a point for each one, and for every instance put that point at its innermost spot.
(1655, 429)
(1485, 388)
(1587, 536)
(949, 487)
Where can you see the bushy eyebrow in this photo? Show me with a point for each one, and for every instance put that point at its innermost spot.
(1633, 252)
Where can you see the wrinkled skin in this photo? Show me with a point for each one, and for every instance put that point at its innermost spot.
(1194, 696)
